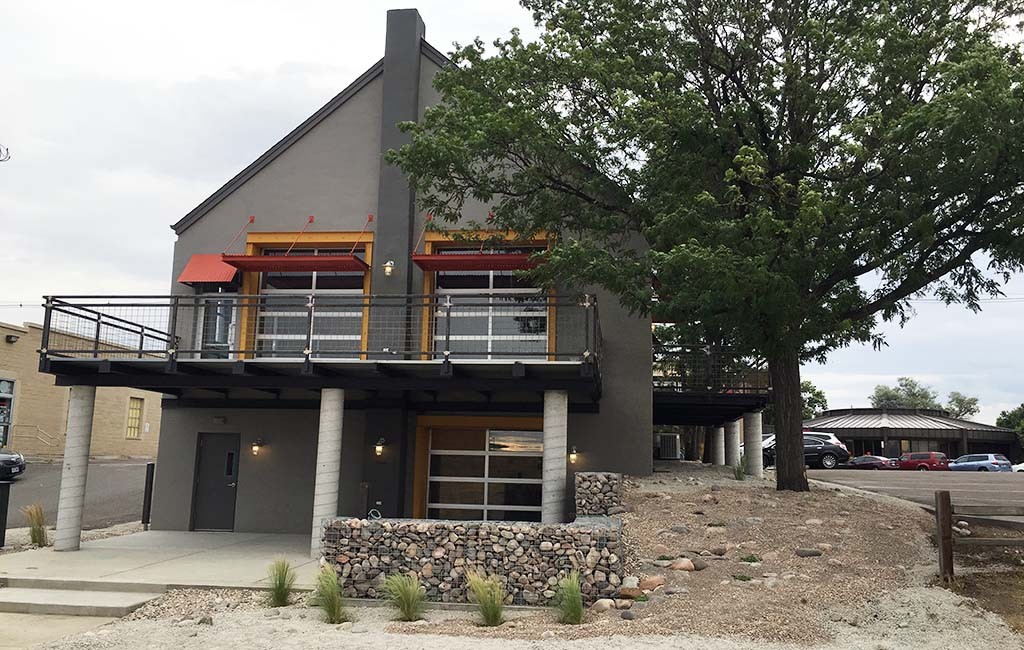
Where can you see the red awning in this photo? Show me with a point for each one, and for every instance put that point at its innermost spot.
(475, 262)
(207, 268)
(296, 263)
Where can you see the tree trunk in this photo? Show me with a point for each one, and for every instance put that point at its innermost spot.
(790, 471)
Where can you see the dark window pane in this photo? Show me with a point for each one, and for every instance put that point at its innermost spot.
(516, 467)
(463, 280)
(455, 492)
(513, 515)
(459, 439)
(513, 494)
(525, 441)
(457, 465)
(328, 280)
(453, 513)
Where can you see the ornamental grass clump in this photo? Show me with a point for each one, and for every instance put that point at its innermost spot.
(407, 595)
(739, 471)
(489, 596)
(569, 599)
(281, 577)
(36, 524)
(327, 596)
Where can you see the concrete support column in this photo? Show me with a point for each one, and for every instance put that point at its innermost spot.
(556, 429)
(752, 444)
(71, 502)
(718, 445)
(328, 463)
(732, 443)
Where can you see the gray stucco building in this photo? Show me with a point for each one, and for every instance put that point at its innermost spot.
(358, 360)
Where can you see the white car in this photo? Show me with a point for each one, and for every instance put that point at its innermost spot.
(1019, 467)
(824, 436)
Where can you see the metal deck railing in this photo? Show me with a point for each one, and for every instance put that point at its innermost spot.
(457, 325)
(708, 369)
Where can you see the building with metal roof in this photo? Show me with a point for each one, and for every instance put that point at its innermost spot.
(891, 431)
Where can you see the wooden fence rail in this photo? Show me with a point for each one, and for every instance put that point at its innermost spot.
(944, 511)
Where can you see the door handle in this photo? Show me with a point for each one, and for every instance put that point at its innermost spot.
(232, 484)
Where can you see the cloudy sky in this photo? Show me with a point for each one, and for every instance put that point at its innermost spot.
(120, 119)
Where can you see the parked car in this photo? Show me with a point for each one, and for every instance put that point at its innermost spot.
(12, 464)
(1019, 467)
(817, 453)
(924, 461)
(871, 462)
(769, 440)
(981, 463)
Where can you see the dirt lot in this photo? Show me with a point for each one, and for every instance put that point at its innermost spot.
(869, 588)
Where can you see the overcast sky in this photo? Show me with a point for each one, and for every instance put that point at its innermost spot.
(123, 116)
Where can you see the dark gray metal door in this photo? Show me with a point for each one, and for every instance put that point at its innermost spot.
(216, 482)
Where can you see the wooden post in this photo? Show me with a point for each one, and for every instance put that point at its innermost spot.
(944, 533)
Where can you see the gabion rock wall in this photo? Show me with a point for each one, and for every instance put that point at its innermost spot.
(598, 494)
(530, 558)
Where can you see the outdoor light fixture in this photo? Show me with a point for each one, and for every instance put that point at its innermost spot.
(389, 268)
(573, 455)
(256, 446)
(12, 338)
(379, 447)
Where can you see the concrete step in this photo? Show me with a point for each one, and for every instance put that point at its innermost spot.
(72, 602)
(82, 585)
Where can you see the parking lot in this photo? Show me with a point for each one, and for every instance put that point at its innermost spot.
(978, 488)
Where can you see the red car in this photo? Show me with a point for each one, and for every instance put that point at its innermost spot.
(924, 461)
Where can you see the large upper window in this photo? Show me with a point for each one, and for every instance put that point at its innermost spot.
(485, 474)
(283, 324)
(494, 314)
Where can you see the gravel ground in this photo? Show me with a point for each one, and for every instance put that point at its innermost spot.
(867, 589)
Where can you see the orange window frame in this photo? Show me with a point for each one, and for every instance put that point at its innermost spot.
(257, 242)
(433, 241)
(424, 423)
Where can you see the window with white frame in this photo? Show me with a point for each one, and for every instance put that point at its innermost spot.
(490, 475)
(493, 315)
(134, 428)
(6, 410)
(283, 323)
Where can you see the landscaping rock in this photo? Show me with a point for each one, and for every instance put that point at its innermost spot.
(627, 615)
(630, 582)
(660, 550)
(630, 592)
(808, 552)
(684, 564)
(814, 522)
(603, 605)
(651, 583)
(699, 564)
(206, 620)
(623, 603)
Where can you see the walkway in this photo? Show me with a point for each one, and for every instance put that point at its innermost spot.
(166, 559)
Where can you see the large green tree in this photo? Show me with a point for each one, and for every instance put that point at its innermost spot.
(783, 173)
(908, 393)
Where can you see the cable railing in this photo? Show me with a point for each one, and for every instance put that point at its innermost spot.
(499, 325)
(708, 369)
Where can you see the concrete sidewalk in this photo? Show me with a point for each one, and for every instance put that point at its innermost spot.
(168, 559)
(22, 631)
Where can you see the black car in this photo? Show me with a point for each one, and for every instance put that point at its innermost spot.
(12, 464)
(817, 453)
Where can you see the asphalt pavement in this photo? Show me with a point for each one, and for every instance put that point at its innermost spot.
(975, 488)
(113, 493)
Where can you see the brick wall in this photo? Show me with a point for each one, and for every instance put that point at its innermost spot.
(41, 407)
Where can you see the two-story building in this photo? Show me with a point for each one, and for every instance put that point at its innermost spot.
(358, 361)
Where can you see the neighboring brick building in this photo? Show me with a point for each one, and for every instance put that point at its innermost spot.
(34, 411)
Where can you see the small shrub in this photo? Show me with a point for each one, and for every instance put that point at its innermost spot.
(666, 557)
(407, 595)
(742, 578)
(750, 559)
(489, 596)
(282, 581)
(569, 599)
(36, 524)
(327, 596)
(739, 471)
(642, 598)
(716, 524)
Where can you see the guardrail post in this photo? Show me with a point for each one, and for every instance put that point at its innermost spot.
(44, 344)
(96, 338)
(447, 328)
(944, 534)
(586, 325)
(172, 350)
(310, 309)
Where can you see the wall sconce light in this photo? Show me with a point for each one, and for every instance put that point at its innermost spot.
(257, 444)
(389, 268)
(378, 448)
(573, 456)
(12, 338)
